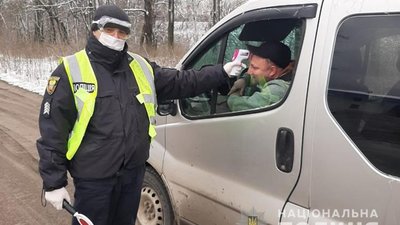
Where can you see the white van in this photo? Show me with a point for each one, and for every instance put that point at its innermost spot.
(327, 153)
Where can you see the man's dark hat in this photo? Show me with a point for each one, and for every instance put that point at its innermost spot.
(111, 11)
(275, 51)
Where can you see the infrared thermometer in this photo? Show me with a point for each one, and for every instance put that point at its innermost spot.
(238, 56)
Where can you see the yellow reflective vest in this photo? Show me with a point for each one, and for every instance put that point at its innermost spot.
(80, 73)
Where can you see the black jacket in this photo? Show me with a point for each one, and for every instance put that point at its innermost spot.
(117, 134)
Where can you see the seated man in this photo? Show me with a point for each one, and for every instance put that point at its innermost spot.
(270, 75)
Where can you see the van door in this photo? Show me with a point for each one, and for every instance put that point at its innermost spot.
(353, 127)
(225, 167)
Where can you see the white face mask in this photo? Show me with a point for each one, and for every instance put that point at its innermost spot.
(111, 42)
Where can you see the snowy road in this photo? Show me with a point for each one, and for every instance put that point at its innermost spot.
(20, 183)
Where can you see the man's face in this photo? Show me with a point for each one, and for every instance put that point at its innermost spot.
(261, 69)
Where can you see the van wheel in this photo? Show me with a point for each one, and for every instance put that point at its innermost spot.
(155, 206)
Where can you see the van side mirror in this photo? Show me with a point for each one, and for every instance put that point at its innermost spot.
(166, 108)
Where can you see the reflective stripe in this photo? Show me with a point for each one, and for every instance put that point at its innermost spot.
(74, 68)
(148, 72)
(142, 69)
(78, 69)
(76, 77)
(145, 98)
(148, 98)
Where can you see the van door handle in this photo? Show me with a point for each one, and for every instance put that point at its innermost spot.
(284, 149)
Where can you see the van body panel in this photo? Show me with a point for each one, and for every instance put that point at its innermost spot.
(223, 170)
(157, 147)
(229, 155)
(341, 178)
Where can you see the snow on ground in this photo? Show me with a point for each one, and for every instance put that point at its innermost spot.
(30, 74)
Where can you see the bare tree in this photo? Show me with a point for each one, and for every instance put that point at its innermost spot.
(227, 6)
(216, 11)
(69, 21)
(38, 23)
(83, 12)
(171, 21)
(148, 37)
(56, 25)
(3, 21)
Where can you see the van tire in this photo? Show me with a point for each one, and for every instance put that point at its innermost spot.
(155, 206)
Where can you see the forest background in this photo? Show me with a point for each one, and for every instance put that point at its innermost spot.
(46, 28)
(34, 34)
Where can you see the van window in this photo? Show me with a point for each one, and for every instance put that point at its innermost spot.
(210, 57)
(364, 87)
(215, 102)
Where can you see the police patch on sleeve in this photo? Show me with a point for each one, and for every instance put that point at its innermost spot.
(52, 84)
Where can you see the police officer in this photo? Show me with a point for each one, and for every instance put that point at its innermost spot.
(97, 120)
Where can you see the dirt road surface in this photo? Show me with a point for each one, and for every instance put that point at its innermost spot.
(20, 183)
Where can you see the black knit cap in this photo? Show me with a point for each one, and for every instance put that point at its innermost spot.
(275, 51)
(112, 11)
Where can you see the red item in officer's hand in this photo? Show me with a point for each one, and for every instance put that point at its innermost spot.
(82, 219)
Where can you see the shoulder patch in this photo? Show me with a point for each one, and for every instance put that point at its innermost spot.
(52, 84)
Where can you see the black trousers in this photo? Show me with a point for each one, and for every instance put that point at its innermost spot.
(110, 201)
